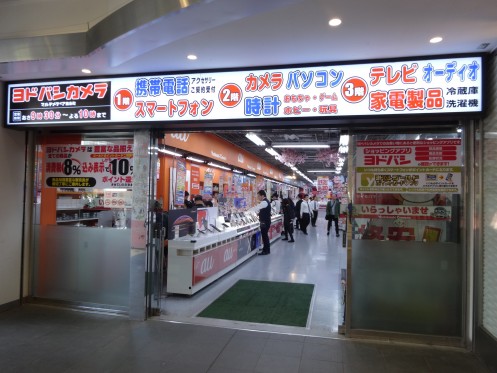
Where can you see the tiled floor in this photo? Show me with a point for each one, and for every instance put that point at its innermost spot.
(315, 258)
(40, 339)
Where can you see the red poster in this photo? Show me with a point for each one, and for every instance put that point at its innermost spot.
(195, 180)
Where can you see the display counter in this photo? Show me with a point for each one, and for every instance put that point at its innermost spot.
(195, 261)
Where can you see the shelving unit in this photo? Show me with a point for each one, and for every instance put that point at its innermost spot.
(71, 209)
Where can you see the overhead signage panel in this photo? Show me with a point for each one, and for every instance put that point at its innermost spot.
(432, 86)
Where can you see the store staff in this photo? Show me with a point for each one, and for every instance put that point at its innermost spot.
(264, 211)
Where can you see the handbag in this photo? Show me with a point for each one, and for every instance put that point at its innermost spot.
(327, 217)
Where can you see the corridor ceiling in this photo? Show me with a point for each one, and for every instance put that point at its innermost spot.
(48, 39)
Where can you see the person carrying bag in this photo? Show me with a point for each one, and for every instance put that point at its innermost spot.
(333, 213)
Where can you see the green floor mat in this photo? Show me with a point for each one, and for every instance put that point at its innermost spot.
(265, 302)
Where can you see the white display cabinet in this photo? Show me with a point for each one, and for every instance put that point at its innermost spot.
(196, 261)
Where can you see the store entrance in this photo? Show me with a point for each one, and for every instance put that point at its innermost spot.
(228, 169)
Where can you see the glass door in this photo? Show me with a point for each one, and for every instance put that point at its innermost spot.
(407, 260)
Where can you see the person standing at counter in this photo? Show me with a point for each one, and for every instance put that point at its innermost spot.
(263, 209)
(275, 203)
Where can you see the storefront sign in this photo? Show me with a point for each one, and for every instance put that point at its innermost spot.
(431, 86)
(89, 166)
(409, 166)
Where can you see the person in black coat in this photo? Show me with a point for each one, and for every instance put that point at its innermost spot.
(288, 215)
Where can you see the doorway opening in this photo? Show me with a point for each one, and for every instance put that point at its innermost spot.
(288, 163)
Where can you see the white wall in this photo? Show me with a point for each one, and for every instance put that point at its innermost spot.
(11, 209)
(490, 206)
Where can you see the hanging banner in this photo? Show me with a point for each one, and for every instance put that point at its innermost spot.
(415, 86)
(323, 182)
(409, 166)
(179, 195)
(89, 166)
(208, 182)
(194, 180)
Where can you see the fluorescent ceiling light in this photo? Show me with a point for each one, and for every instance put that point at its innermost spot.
(170, 152)
(219, 166)
(237, 171)
(335, 22)
(195, 160)
(272, 152)
(320, 170)
(86, 71)
(255, 139)
(436, 39)
(297, 145)
(191, 57)
(251, 175)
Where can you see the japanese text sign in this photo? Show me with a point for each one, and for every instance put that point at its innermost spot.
(409, 166)
(89, 166)
(431, 86)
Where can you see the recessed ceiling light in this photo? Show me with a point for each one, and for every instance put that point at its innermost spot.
(191, 57)
(436, 39)
(335, 22)
(86, 71)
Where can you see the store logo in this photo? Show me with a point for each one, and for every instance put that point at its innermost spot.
(217, 155)
(228, 254)
(206, 265)
(180, 136)
(367, 180)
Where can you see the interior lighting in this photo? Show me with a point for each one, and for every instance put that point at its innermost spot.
(343, 144)
(272, 152)
(195, 160)
(170, 152)
(335, 22)
(218, 166)
(237, 171)
(459, 129)
(301, 145)
(191, 57)
(86, 71)
(251, 175)
(436, 39)
(320, 170)
(255, 139)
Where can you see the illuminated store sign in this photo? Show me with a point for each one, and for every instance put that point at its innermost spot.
(434, 86)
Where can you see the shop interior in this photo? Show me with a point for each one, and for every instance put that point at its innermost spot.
(229, 167)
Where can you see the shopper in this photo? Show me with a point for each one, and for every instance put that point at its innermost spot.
(333, 213)
(188, 203)
(263, 208)
(297, 210)
(199, 201)
(275, 203)
(288, 209)
(315, 209)
(305, 214)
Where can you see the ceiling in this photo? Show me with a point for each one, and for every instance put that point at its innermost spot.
(51, 39)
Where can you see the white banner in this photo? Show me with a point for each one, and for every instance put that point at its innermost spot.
(409, 166)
